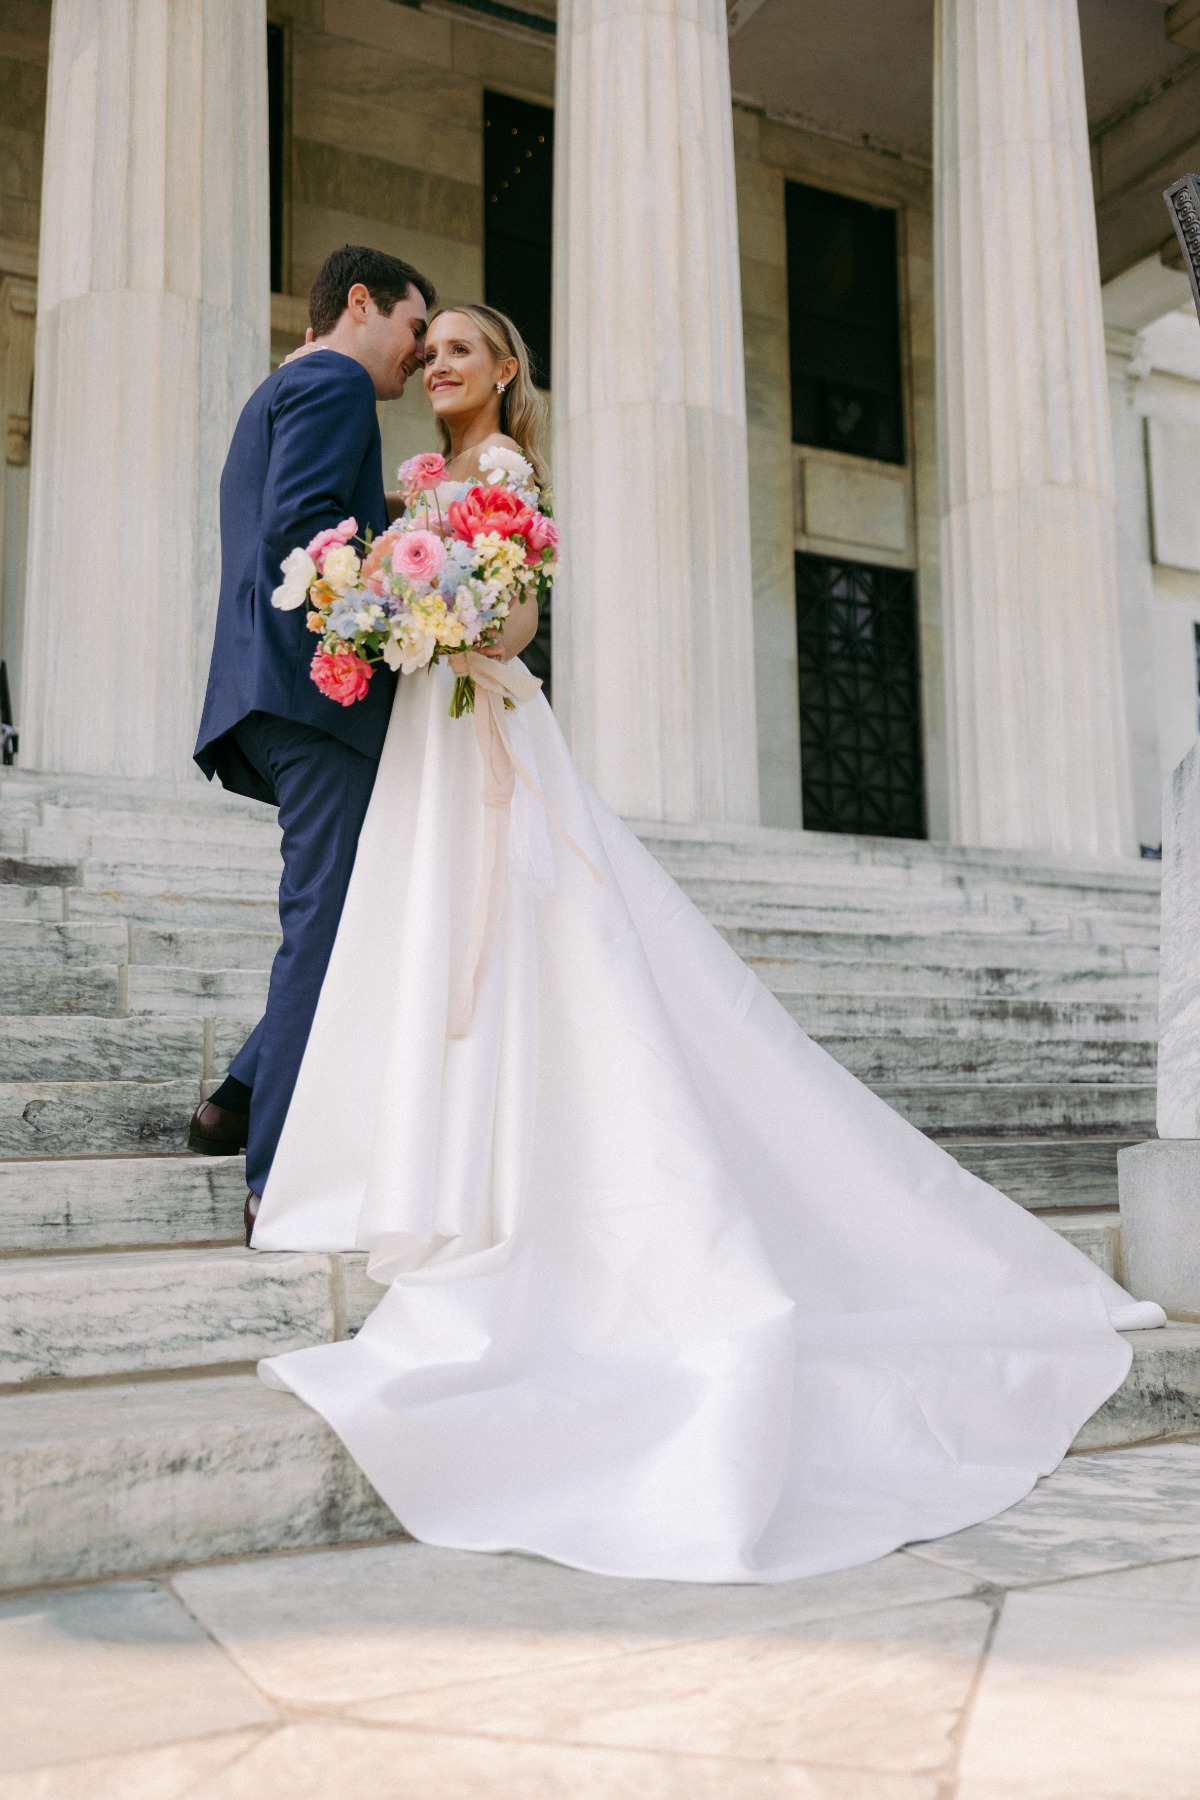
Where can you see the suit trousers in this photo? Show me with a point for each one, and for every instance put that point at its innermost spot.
(322, 788)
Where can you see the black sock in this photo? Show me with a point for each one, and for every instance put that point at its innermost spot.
(232, 1094)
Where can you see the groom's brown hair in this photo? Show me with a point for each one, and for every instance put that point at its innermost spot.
(386, 278)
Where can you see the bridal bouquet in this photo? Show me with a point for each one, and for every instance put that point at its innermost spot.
(441, 580)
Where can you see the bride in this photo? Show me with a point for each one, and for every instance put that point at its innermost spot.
(669, 1292)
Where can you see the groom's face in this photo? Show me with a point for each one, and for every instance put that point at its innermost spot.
(393, 343)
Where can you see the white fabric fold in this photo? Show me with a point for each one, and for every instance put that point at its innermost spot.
(670, 1293)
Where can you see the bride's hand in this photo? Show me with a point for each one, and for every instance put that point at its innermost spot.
(516, 634)
(304, 348)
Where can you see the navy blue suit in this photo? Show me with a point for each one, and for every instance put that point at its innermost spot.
(305, 455)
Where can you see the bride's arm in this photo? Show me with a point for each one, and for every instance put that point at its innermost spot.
(517, 633)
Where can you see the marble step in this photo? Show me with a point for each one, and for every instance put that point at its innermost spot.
(837, 961)
(1032, 1018)
(105, 1480)
(1097, 1234)
(112, 1479)
(950, 950)
(1046, 1173)
(161, 825)
(122, 1313)
(102, 1118)
(39, 988)
(195, 947)
(169, 911)
(31, 870)
(164, 991)
(157, 1048)
(794, 915)
(999, 1060)
(19, 902)
(71, 1317)
(64, 944)
(120, 1202)
(1023, 1110)
(89, 1049)
(783, 848)
(963, 980)
(129, 1202)
(95, 1118)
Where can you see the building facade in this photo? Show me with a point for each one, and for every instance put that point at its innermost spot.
(876, 392)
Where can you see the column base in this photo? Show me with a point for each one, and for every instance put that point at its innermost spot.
(1159, 1185)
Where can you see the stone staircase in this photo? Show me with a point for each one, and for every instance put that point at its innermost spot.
(1005, 1007)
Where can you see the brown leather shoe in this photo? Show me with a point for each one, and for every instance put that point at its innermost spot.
(215, 1131)
(250, 1213)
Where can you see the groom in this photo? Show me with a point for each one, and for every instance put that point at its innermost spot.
(305, 455)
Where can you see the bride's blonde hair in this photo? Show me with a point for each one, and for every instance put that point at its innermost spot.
(522, 409)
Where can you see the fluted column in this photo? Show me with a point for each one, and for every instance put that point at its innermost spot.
(654, 671)
(1038, 743)
(153, 326)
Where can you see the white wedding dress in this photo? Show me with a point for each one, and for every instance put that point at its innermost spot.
(671, 1293)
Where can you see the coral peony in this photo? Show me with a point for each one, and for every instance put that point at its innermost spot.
(540, 534)
(419, 555)
(489, 509)
(421, 472)
(343, 676)
(325, 540)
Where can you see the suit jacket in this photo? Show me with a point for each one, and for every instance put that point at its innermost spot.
(305, 455)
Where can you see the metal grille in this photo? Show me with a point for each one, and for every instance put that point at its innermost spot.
(860, 698)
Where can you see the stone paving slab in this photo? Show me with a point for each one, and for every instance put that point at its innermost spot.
(410, 1673)
(162, 1677)
(1094, 1514)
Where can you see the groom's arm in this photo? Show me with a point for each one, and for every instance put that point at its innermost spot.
(322, 427)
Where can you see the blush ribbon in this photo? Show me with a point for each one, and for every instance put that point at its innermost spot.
(496, 682)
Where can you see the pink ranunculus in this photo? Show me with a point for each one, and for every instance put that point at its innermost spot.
(489, 509)
(419, 555)
(540, 534)
(341, 675)
(421, 472)
(325, 540)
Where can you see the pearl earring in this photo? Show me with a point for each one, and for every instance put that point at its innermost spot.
(499, 387)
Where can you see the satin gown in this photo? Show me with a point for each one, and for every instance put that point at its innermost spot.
(669, 1292)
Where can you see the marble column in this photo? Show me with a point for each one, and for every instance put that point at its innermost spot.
(653, 649)
(1036, 710)
(152, 328)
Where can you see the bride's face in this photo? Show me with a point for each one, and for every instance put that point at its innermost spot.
(461, 371)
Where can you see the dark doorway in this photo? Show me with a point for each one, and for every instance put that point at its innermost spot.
(860, 698)
(518, 213)
(518, 210)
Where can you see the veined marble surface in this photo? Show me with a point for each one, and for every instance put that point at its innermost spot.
(1060, 1660)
